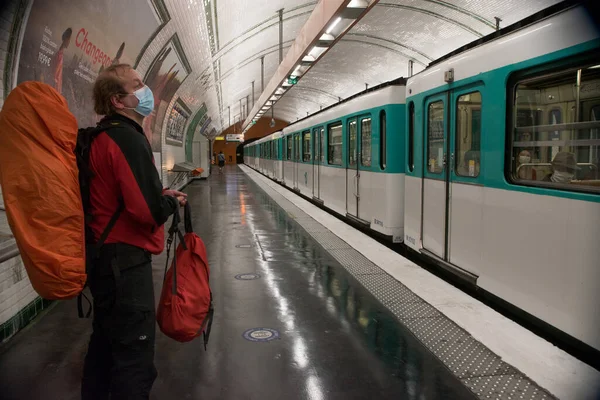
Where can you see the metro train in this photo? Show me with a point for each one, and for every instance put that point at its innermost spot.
(486, 162)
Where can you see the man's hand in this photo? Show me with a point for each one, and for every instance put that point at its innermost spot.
(180, 196)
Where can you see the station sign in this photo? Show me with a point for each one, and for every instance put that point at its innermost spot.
(234, 137)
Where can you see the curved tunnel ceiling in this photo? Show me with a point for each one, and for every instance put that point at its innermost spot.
(225, 40)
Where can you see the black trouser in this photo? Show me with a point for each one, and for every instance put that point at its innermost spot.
(120, 358)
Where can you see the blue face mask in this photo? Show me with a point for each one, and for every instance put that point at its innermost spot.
(145, 101)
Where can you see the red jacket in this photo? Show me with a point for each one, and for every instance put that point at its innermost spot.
(123, 166)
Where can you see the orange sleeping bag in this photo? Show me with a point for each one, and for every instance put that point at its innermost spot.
(39, 179)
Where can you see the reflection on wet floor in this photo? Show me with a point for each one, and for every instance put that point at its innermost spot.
(417, 373)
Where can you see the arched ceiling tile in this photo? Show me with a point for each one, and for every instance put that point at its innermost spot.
(236, 17)
(263, 39)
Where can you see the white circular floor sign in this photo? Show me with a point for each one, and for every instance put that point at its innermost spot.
(261, 334)
(247, 277)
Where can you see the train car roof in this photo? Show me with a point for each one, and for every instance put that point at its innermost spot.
(392, 92)
(553, 29)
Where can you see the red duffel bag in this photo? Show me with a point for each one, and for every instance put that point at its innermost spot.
(185, 310)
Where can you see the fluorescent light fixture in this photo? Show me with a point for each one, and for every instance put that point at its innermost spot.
(297, 71)
(316, 51)
(358, 4)
(280, 91)
(332, 26)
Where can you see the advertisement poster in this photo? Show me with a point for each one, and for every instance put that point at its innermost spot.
(167, 73)
(67, 43)
(176, 123)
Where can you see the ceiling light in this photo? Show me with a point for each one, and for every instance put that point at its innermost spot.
(358, 4)
(317, 51)
(297, 71)
(337, 21)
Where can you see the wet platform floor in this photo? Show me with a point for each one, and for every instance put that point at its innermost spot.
(290, 322)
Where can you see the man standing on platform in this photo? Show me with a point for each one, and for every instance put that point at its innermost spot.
(120, 359)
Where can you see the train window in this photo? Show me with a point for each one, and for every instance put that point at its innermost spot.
(334, 155)
(306, 146)
(352, 142)
(556, 121)
(468, 134)
(365, 142)
(322, 146)
(435, 138)
(383, 140)
(411, 136)
(297, 147)
(317, 144)
(289, 147)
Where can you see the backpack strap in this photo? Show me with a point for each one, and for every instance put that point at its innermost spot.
(174, 233)
(208, 322)
(187, 218)
(109, 227)
(95, 251)
(85, 137)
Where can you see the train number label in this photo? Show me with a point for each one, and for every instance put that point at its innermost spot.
(377, 222)
(411, 240)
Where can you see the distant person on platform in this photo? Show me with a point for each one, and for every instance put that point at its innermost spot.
(221, 158)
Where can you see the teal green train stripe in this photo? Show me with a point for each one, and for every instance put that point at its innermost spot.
(395, 122)
(492, 86)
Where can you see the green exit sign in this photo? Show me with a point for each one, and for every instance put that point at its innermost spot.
(253, 121)
(292, 80)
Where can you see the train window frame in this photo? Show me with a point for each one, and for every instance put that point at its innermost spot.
(476, 170)
(297, 147)
(444, 133)
(553, 71)
(306, 156)
(352, 143)
(362, 142)
(331, 147)
(382, 140)
(322, 148)
(289, 144)
(411, 136)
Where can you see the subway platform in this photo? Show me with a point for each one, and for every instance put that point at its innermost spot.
(300, 314)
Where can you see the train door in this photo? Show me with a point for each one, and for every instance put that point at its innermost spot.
(364, 161)
(317, 150)
(465, 195)
(452, 186)
(297, 151)
(352, 173)
(435, 176)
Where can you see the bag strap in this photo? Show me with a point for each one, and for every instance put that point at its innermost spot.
(82, 153)
(109, 227)
(96, 250)
(174, 233)
(208, 322)
(187, 217)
